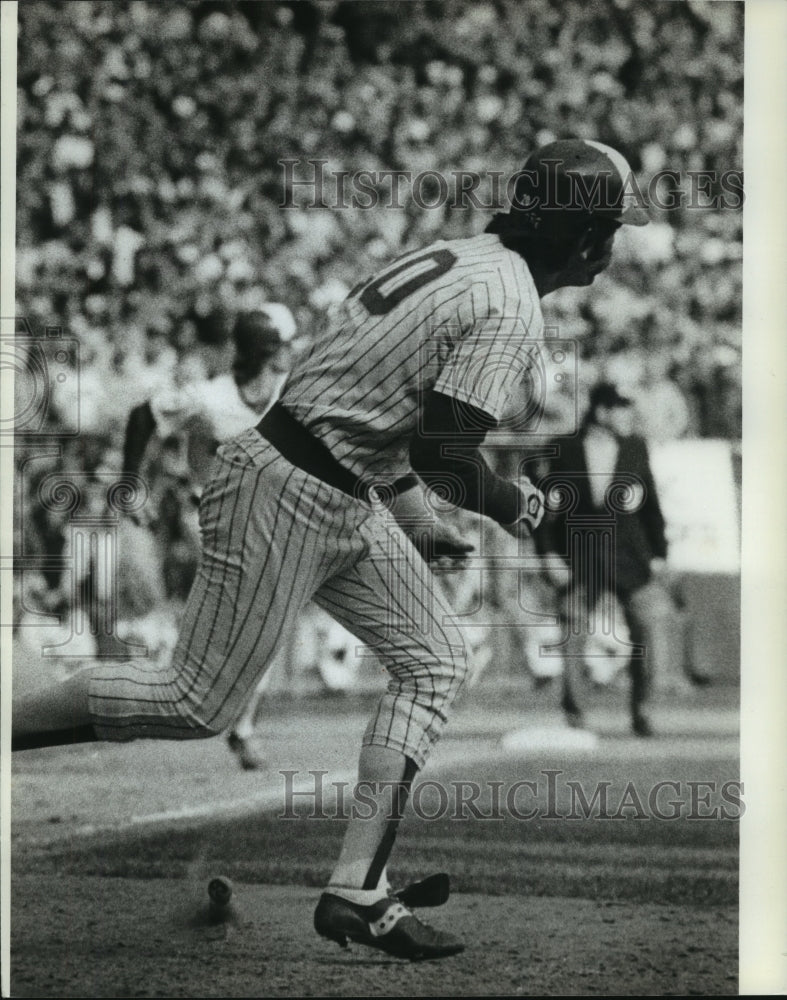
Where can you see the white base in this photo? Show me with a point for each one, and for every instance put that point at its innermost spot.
(555, 737)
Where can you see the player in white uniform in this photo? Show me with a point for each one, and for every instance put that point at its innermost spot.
(189, 418)
(400, 392)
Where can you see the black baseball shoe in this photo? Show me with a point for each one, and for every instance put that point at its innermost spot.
(387, 925)
(642, 726)
(434, 890)
(575, 717)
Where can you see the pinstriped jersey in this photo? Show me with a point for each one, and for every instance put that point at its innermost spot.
(459, 317)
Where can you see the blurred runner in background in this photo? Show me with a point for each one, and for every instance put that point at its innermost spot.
(171, 440)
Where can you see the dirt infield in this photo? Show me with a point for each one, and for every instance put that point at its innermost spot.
(100, 937)
(113, 848)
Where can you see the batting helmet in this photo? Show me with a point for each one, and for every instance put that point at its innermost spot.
(581, 175)
(259, 336)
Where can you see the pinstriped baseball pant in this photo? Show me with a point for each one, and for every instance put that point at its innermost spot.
(274, 537)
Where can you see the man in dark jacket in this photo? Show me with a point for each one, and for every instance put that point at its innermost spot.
(602, 538)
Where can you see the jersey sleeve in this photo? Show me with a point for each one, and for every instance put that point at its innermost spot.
(499, 327)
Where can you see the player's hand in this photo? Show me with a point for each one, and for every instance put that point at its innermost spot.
(448, 543)
(658, 567)
(441, 544)
(436, 539)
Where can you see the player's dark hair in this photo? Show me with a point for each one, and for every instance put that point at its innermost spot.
(548, 235)
(256, 340)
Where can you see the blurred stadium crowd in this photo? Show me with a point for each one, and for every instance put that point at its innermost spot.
(149, 185)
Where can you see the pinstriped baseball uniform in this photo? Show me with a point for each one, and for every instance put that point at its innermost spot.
(459, 317)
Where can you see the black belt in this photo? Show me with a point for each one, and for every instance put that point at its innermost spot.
(302, 449)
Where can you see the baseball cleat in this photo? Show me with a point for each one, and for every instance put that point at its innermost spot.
(642, 726)
(431, 891)
(574, 718)
(387, 925)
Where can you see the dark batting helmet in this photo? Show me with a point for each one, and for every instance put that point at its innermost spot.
(261, 335)
(579, 175)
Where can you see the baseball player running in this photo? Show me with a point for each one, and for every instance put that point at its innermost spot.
(198, 415)
(400, 392)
